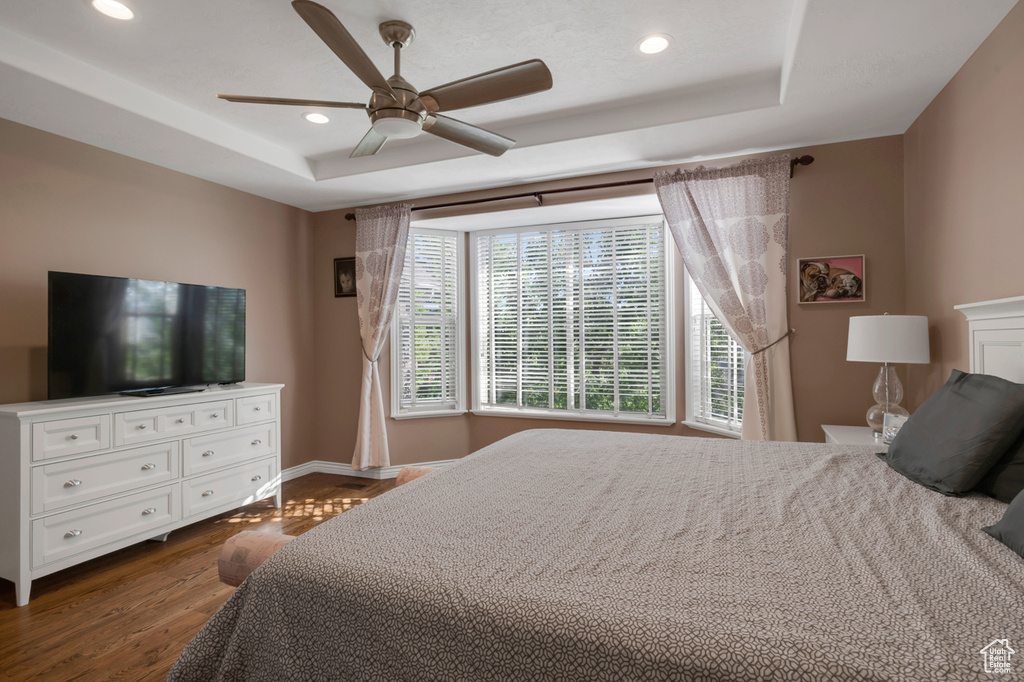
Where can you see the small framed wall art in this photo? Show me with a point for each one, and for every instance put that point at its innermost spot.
(833, 279)
(344, 277)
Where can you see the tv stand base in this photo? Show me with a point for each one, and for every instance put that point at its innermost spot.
(153, 392)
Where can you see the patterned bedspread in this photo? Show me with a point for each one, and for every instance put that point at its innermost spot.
(584, 555)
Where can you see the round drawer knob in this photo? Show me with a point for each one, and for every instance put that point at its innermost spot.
(141, 427)
(207, 493)
(148, 510)
(215, 415)
(147, 467)
(73, 483)
(73, 436)
(256, 409)
(208, 453)
(257, 477)
(72, 534)
(257, 441)
(181, 421)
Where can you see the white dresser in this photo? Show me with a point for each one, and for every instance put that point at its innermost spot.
(83, 477)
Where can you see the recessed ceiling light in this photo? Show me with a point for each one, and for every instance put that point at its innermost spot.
(113, 8)
(654, 43)
(314, 117)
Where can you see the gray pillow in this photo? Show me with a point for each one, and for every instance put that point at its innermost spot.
(1010, 529)
(959, 433)
(1004, 480)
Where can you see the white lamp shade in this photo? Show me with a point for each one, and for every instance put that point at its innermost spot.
(888, 338)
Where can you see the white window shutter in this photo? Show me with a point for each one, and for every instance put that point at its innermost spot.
(426, 329)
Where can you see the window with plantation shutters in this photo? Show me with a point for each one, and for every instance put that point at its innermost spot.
(571, 321)
(427, 329)
(714, 368)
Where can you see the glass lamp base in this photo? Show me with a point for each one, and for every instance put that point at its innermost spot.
(876, 416)
(888, 392)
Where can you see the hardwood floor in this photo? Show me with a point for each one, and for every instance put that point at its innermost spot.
(127, 615)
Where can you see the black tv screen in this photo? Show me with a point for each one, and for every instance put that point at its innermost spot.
(111, 334)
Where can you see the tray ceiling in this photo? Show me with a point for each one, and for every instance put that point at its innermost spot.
(738, 77)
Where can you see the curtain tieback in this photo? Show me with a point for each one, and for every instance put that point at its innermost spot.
(778, 340)
(372, 361)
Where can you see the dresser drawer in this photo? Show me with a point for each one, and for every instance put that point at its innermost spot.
(206, 453)
(140, 426)
(256, 408)
(70, 437)
(73, 532)
(238, 485)
(62, 484)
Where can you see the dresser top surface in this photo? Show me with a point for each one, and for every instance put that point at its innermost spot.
(109, 403)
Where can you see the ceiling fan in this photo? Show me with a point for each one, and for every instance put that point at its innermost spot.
(396, 109)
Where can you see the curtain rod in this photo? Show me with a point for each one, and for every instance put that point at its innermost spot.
(805, 160)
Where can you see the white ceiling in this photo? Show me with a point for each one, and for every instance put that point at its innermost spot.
(740, 76)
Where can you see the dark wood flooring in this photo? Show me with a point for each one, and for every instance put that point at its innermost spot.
(127, 615)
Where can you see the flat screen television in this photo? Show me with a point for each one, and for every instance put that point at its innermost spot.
(117, 335)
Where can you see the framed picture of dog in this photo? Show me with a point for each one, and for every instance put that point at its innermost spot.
(344, 277)
(835, 279)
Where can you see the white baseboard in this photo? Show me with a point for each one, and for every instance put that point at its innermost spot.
(319, 466)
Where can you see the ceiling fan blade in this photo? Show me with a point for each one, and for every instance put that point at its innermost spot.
(295, 102)
(336, 36)
(467, 135)
(517, 80)
(370, 144)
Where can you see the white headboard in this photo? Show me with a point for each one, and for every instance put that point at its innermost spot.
(996, 335)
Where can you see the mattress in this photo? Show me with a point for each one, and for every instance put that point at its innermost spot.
(587, 555)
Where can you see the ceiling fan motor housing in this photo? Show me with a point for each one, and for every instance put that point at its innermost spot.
(385, 112)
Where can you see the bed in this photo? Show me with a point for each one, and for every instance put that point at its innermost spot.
(580, 555)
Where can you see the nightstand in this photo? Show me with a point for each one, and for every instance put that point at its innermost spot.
(852, 435)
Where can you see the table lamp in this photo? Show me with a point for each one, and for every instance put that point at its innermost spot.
(887, 339)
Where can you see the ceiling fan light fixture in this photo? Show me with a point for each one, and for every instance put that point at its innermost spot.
(654, 43)
(114, 9)
(397, 126)
(316, 117)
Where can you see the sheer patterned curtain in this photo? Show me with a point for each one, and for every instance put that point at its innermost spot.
(731, 226)
(381, 235)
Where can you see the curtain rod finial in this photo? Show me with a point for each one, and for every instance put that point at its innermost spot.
(805, 160)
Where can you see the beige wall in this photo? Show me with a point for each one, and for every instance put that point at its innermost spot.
(964, 201)
(848, 202)
(68, 206)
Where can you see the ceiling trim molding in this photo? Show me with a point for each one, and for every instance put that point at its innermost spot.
(84, 84)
